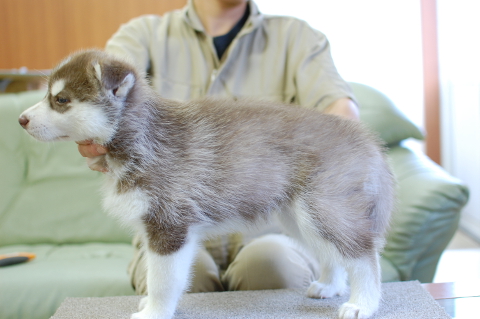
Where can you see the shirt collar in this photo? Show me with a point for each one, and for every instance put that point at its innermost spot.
(191, 18)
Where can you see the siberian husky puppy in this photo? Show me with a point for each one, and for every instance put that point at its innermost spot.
(179, 172)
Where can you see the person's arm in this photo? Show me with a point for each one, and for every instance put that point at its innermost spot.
(317, 81)
(132, 40)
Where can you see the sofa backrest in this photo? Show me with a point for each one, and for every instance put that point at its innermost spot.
(381, 115)
(47, 192)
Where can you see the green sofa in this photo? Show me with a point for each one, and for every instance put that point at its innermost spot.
(50, 205)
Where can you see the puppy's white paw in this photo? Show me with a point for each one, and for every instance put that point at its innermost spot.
(320, 290)
(143, 303)
(352, 311)
(147, 311)
(144, 314)
(137, 315)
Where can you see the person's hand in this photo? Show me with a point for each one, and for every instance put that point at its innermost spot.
(345, 108)
(95, 155)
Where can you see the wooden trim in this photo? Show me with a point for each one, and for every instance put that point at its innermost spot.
(451, 290)
(37, 34)
(431, 79)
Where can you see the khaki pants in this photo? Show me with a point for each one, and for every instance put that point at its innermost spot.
(269, 262)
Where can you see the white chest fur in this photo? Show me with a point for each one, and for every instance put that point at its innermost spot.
(129, 207)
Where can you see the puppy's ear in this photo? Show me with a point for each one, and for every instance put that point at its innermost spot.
(115, 77)
(98, 71)
(125, 86)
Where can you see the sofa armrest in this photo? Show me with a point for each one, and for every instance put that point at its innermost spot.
(427, 214)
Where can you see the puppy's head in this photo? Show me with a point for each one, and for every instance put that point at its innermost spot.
(86, 94)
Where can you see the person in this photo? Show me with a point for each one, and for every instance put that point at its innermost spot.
(227, 48)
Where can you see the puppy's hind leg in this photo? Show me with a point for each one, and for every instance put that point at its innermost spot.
(363, 268)
(297, 222)
(365, 284)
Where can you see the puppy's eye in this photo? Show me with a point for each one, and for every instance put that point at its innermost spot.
(62, 100)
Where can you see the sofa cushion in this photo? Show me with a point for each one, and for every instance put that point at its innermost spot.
(35, 289)
(381, 115)
(48, 194)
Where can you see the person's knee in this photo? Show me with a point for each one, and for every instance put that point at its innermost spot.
(204, 277)
(205, 274)
(269, 262)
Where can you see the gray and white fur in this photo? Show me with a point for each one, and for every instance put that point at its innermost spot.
(179, 172)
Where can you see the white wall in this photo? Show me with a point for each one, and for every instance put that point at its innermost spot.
(375, 42)
(459, 54)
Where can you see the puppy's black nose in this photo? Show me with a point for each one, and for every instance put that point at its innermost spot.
(23, 121)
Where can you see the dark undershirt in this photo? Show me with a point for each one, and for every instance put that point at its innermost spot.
(222, 42)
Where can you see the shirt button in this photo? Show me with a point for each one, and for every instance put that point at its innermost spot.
(214, 75)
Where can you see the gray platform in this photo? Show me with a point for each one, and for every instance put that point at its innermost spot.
(402, 300)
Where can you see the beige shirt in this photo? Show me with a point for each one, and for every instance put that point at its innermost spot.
(273, 57)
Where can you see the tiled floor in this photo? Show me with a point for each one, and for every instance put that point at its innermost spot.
(460, 262)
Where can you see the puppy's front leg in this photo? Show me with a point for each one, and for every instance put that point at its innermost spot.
(167, 279)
